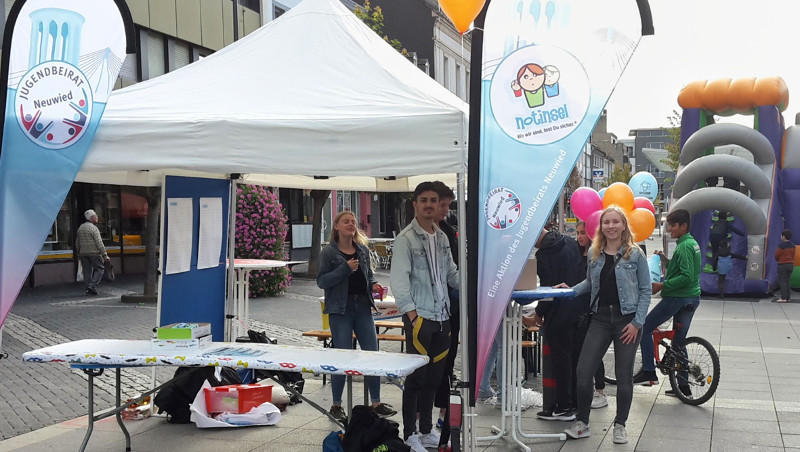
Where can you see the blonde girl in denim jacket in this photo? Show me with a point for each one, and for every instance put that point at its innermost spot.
(619, 282)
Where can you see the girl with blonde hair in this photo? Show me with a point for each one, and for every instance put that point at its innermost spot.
(619, 282)
(346, 276)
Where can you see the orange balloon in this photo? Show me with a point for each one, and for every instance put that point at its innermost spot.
(462, 12)
(619, 194)
(642, 222)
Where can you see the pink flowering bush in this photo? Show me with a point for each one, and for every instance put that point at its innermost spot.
(260, 234)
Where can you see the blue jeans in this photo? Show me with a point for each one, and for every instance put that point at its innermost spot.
(606, 327)
(357, 318)
(681, 310)
(493, 360)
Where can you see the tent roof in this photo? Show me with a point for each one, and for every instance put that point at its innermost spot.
(314, 93)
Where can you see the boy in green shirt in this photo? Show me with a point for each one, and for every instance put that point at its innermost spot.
(679, 298)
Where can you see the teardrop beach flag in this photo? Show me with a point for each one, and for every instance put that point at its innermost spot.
(60, 62)
(548, 70)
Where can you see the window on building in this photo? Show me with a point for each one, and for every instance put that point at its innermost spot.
(382, 213)
(343, 201)
(133, 218)
(446, 72)
(105, 201)
(156, 54)
(655, 145)
(255, 5)
(278, 11)
(183, 54)
(458, 80)
(466, 97)
(60, 237)
(297, 204)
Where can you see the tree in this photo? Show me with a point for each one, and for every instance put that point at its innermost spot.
(575, 180)
(619, 174)
(674, 144)
(319, 198)
(373, 17)
(150, 241)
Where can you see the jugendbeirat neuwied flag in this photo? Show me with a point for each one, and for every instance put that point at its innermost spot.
(61, 64)
(548, 70)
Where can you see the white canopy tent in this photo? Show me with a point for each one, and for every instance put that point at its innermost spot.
(313, 93)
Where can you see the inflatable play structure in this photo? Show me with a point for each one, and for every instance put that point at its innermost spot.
(755, 201)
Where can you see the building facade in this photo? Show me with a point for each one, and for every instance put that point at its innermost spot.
(172, 34)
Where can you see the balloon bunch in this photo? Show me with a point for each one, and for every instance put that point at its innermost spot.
(635, 198)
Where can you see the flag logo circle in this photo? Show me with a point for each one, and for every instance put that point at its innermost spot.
(502, 208)
(53, 104)
(539, 94)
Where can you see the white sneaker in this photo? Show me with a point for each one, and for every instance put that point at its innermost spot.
(430, 439)
(620, 434)
(414, 443)
(599, 400)
(578, 430)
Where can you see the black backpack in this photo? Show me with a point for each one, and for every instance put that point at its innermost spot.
(367, 431)
(176, 396)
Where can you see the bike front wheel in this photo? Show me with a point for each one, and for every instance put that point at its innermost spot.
(695, 377)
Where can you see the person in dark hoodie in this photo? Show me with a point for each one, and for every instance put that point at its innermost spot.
(558, 260)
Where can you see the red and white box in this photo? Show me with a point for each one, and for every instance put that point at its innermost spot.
(236, 398)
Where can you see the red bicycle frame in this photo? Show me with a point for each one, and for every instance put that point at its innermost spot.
(659, 334)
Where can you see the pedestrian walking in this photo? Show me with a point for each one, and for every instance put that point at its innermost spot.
(91, 251)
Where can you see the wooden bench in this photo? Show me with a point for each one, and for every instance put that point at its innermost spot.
(325, 335)
(533, 363)
(388, 325)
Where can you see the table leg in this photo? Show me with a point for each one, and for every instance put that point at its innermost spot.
(91, 373)
(518, 367)
(119, 412)
(349, 395)
(246, 294)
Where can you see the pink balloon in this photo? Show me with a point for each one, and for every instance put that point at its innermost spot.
(641, 202)
(584, 201)
(592, 221)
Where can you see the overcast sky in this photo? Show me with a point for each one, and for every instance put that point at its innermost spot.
(706, 39)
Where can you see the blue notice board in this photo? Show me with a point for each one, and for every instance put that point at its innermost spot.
(196, 295)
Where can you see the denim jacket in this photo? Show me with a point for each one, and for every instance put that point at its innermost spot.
(412, 282)
(333, 276)
(633, 283)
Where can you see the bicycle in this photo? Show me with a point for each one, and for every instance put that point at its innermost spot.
(694, 377)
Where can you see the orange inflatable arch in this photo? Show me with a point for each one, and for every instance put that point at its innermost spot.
(727, 97)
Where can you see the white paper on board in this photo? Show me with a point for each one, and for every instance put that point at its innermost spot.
(179, 235)
(209, 243)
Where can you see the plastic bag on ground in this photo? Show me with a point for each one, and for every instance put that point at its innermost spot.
(264, 414)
